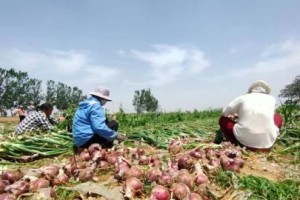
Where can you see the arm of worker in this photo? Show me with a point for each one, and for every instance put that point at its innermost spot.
(99, 126)
(232, 108)
(45, 123)
(53, 121)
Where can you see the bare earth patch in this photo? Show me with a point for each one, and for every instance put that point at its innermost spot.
(14, 120)
(258, 165)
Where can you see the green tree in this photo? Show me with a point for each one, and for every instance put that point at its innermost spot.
(292, 91)
(63, 96)
(6, 86)
(21, 84)
(17, 88)
(34, 91)
(144, 101)
(67, 96)
(13, 86)
(76, 96)
(51, 92)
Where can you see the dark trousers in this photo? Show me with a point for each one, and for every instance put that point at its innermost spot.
(103, 142)
(22, 117)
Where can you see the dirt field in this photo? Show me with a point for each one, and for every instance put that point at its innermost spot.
(273, 166)
(9, 120)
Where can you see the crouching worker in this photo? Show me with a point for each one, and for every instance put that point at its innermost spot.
(250, 120)
(90, 124)
(38, 120)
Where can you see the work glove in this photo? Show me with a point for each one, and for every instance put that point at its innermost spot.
(120, 137)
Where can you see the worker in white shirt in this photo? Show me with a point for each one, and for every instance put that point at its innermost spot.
(250, 120)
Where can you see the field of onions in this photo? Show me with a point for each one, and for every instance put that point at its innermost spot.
(165, 156)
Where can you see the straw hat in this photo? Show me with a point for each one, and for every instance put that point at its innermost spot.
(260, 86)
(101, 92)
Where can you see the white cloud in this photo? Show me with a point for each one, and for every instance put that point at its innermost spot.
(69, 67)
(276, 58)
(171, 63)
(99, 73)
(285, 47)
(64, 61)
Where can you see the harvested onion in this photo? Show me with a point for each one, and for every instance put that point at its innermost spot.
(160, 192)
(180, 191)
(132, 187)
(134, 172)
(12, 175)
(94, 147)
(194, 196)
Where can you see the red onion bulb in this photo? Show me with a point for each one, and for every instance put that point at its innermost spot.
(12, 175)
(180, 191)
(160, 192)
(132, 187)
(134, 172)
(94, 147)
(194, 196)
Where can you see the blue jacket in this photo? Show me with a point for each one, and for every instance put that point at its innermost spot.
(90, 119)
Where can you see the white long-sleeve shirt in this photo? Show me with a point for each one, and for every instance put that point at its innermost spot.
(255, 126)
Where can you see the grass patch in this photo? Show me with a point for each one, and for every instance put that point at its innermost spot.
(62, 193)
(261, 188)
(265, 189)
(290, 132)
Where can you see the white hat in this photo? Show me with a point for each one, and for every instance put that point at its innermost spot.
(260, 86)
(101, 92)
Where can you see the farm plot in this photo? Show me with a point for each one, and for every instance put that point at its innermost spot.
(158, 161)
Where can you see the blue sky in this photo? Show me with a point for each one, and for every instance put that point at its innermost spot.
(192, 54)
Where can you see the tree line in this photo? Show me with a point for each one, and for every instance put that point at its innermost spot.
(17, 88)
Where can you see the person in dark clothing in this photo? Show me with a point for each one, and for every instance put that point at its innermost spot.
(38, 120)
(21, 112)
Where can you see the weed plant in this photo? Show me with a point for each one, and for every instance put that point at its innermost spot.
(259, 187)
(290, 132)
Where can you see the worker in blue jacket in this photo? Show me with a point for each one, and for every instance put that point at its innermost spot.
(90, 124)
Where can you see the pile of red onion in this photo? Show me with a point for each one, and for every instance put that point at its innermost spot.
(180, 177)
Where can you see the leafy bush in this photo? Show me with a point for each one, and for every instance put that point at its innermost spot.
(290, 132)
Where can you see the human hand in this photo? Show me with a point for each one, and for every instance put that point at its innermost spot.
(120, 137)
(230, 117)
(60, 119)
(233, 117)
